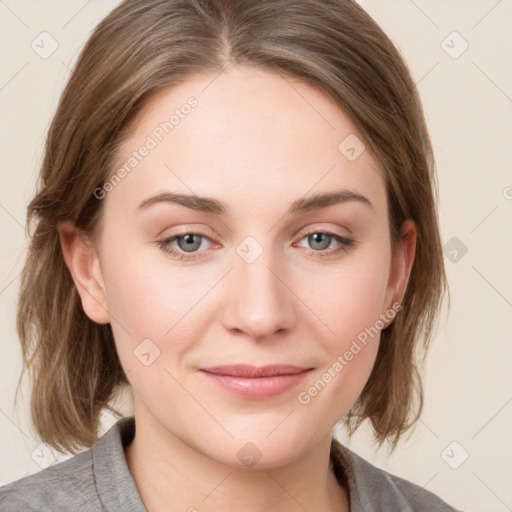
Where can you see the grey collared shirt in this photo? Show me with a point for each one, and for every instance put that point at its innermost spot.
(99, 479)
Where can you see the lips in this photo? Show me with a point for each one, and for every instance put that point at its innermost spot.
(255, 382)
(249, 371)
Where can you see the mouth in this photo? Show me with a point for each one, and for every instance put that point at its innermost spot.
(256, 382)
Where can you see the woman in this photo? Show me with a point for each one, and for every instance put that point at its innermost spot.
(236, 221)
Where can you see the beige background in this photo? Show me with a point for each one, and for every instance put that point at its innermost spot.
(468, 103)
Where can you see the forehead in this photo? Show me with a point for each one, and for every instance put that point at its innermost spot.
(247, 135)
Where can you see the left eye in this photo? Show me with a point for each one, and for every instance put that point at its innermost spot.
(321, 240)
(189, 243)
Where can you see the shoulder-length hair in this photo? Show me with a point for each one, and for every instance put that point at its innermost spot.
(144, 46)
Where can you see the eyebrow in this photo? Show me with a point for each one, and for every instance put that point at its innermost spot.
(211, 205)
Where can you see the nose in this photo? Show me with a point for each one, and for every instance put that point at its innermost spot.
(259, 298)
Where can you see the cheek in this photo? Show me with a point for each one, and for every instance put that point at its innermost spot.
(350, 304)
(148, 299)
(350, 356)
(173, 306)
(350, 299)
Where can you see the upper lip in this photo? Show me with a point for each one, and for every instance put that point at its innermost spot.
(249, 371)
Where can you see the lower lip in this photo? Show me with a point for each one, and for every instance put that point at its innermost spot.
(257, 387)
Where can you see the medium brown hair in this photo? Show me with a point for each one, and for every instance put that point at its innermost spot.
(144, 46)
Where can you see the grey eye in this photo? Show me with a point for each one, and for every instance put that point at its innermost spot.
(319, 241)
(189, 242)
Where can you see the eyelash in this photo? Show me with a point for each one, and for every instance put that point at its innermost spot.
(346, 244)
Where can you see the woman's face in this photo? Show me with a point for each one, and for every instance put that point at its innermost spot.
(236, 271)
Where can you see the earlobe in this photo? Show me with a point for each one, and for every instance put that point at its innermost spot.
(83, 263)
(401, 264)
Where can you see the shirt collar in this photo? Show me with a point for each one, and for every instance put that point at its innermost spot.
(117, 489)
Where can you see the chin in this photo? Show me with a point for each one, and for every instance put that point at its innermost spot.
(260, 452)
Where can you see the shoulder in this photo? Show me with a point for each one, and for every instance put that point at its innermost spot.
(67, 485)
(97, 479)
(375, 490)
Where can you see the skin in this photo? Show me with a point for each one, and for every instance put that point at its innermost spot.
(257, 142)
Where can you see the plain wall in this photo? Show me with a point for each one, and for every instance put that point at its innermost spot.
(468, 104)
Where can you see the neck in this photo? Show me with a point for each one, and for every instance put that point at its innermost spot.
(171, 475)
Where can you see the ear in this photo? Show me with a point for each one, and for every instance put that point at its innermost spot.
(401, 264)
(83, 263)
